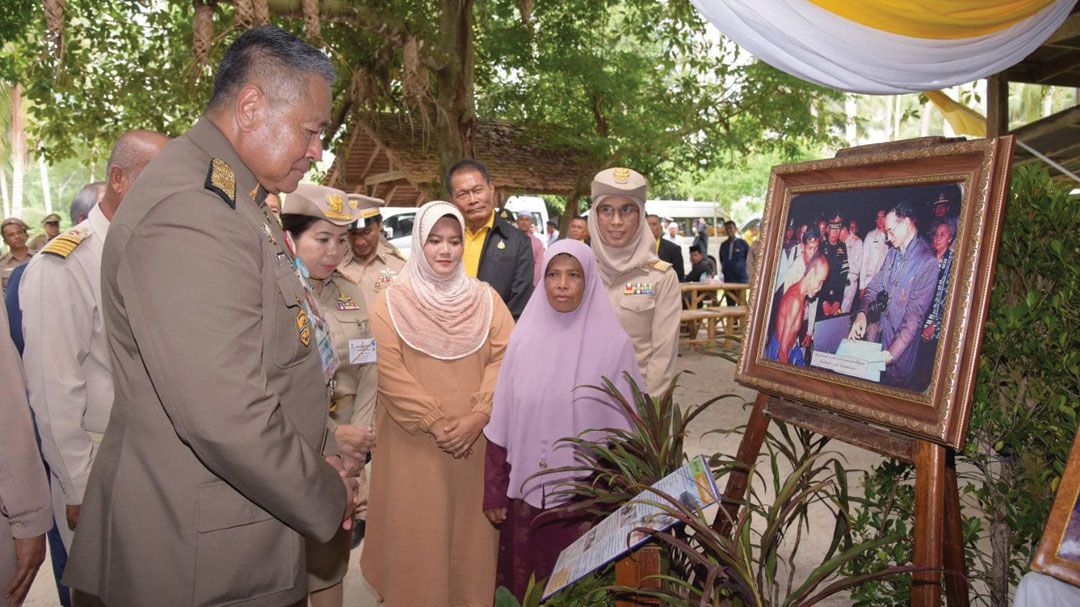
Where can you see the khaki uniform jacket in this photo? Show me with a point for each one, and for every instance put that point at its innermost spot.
(66, 354)
(375, 275)
(355, 385)
(24, 491)
(648, 304)
(9, 263)
(211, 470)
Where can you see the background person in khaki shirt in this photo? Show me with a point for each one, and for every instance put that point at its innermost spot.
(643, 290)
(14, 232)
(371, 262)
(51, 225)
(25, 515)
(68, 373)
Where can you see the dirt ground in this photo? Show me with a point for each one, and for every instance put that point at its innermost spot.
(709, 376)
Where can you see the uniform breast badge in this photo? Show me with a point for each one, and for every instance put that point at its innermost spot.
(384, 280)
(501, 245)
(345, 303)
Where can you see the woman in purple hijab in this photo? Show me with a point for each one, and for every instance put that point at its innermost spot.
(569, 338)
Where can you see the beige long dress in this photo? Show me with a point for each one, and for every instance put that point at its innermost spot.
(428, 542)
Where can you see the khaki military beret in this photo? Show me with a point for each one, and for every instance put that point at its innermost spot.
(619, 181)
(367, 208)
(320, 201)
(14, 221)
(51, 218)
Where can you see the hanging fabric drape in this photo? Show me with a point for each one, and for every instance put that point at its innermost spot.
(888, 46)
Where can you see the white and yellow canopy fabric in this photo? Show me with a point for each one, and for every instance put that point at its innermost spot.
(888, 46)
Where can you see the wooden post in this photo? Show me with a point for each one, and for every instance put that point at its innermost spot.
(634, 570)
(997, 105)
(956, 586)
(929, 522)
(749, 449)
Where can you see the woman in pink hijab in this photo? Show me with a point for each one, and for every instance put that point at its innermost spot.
(565, 340)
(440, 338)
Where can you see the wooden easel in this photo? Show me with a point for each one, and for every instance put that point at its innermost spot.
(938, 541)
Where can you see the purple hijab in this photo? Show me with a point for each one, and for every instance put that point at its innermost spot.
(550, 353)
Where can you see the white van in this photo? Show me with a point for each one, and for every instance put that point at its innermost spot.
(535, 206)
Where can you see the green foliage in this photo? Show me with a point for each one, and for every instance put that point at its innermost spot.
(593, 590)
(755, 564)
(1026, 400)
(617, 468)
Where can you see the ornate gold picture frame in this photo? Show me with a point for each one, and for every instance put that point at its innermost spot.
(1059, 550)
(874, 280)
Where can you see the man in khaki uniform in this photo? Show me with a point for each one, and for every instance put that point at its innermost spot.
(212, 471)
(66, 354)
(643, 290)
(15, 232)
(25, 515)
(372, 262)
(51, 225)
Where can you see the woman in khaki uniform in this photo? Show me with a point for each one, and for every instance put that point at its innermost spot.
(643, 290)
(315, 218)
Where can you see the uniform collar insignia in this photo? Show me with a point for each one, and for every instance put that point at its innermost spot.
(221, 180)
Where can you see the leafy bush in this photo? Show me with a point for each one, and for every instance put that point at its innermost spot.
(1025, 405)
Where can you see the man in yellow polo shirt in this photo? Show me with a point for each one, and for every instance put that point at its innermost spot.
(495, 251)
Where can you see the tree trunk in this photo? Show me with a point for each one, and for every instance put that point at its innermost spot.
(455, 105)
(18, 151)
(45, 193)
(1001, 535)
(851, 128)
(4, 192)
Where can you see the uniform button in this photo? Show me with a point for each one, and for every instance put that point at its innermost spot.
(543, 464)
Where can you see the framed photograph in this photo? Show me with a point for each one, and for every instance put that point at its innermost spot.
(874, 279)
(1059, 551)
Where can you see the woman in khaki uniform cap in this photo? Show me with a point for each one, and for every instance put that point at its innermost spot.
(643, 290)
(316, 219)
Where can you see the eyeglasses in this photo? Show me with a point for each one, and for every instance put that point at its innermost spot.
(626, 211)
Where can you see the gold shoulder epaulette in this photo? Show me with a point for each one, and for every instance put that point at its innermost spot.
(663, 266)
(64, 244)
(221, 180)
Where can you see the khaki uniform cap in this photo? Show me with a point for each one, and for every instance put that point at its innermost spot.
(51, 218)
(619, 181)
(16, 221)
(320, 201)
(368, 208)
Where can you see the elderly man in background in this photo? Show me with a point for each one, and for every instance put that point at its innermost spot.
(525, 224)
(25, 515)
(69, 377)
(218, 459)
(578, 229)
(495, 252)
(898, 298)
(14, 232)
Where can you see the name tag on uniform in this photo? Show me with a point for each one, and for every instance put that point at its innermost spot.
(362, 351)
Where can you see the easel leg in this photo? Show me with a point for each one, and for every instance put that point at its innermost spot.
(749, 449)
(929, 522)
(633, 569)
(956, 587)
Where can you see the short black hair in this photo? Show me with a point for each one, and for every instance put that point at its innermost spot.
(295, 224)
(695, 248)
(465, 164)
(811, 233)
(268, 52)
(552, 223)
(904, 210)
(729, 223)
(581, 217)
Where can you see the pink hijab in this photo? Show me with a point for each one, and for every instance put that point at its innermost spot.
(445, 318)
(550, 354)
